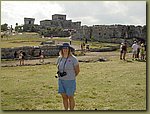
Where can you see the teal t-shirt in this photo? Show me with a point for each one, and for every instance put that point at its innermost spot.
(71, 62)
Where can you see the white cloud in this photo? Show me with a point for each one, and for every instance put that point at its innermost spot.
(88, 12)
(15, 11)
(107, 12)
(115, 7)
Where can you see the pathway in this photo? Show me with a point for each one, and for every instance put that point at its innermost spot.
(92, 56)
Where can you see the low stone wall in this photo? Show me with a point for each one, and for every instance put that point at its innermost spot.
(105, 49)
(31, 52)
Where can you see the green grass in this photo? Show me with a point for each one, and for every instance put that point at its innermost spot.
(34, 39)
(21, 40)
(111, 85)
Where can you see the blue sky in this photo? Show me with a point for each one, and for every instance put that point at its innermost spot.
(88, 12)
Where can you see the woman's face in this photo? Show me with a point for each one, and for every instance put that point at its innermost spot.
(65, 50)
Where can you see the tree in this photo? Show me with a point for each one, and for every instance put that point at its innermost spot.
(144, 32)
(4, 27)
(144, 29)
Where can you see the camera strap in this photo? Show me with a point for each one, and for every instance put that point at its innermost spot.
(64, 63)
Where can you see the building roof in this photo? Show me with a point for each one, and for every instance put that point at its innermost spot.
(29, 18)
(58, 15)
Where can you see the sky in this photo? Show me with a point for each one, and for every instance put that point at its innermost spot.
(88, 12)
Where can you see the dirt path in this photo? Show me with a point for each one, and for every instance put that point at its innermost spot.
(88, 56)
(35, 61)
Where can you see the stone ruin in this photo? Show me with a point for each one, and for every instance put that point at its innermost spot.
(101, 33)
(59, 20)
(31, 52)
(110, 33)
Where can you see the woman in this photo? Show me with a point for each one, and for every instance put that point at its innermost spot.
(68, 69)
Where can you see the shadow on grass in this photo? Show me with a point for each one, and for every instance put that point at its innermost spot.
(130, 61)
(141, 60)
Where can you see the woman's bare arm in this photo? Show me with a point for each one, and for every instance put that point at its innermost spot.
(77, 69)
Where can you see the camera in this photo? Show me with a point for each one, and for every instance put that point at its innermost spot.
(61, 74)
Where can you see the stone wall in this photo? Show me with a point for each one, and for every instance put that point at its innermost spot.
(96, 32)
(31, 52)
(108, 32)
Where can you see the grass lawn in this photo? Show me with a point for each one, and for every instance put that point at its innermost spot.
(21, 40)
(111, 85)
(26, 39)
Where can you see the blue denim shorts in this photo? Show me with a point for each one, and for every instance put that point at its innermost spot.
(67, 86)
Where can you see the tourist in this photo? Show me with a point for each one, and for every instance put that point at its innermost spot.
(21, 58)
(124, 49)
(68, 69)
(121, 51)
(145, 50)
(70, 37)
(70, 41)
(134, 50)
(142, 52)
(138, 50)
(41, 55)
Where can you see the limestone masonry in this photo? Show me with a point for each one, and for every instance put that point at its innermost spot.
(97, 32)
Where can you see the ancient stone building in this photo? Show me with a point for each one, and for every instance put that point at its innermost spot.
(60, 21)
(96, 32)
(29, 25)
(28, 21)
(58, 17)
